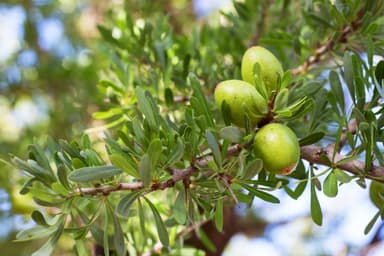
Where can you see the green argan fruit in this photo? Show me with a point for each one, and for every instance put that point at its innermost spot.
(21, 204)
(376, 193)
(241, 97)
(278, 147)
(270, 67)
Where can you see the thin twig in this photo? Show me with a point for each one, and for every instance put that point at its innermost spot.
(328, 46)
(313, 154)
(177, 175)
(260, 25)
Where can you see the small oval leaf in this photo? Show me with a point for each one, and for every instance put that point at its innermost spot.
(87, 174)
(126, 202)
(145, 170)
(161, 230)
(311, 139)
(180, 209)
(232, 134)
(330, 185)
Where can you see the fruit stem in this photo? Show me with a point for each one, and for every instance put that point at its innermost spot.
(269, 117)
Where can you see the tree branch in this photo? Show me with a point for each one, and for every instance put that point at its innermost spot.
(260, 25)
(330, 44)
(313, 154)
(177, 175)
(352, 128)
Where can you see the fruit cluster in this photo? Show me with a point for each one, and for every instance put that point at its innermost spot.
(251, 100)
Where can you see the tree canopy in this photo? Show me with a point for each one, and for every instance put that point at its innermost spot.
(163, 166)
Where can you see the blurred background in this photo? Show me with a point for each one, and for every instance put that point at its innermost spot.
(50, 57)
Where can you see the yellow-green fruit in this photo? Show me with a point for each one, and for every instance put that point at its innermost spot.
(376, 193)
(278, 147)
(21, 204)
(241, 97)
(270, 67)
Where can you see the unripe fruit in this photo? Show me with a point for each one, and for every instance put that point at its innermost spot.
(270, 67)
(376, 193)
(21, 204)
(278, 147)
(241, 97)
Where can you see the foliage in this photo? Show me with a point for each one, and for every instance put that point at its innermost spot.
(170, 161)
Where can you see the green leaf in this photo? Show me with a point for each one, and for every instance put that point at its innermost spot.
(259, 83)
(261, 194)
(145, 170)
(177, 153)
(33, 233)
(342, 176)
(317, 215)
(371, 223)
(105, 234)
(126, 202)
(295, 194)
(251, 169)
(106, 33)
(337, 89)
(231, 133)
(242, 10)
(286, 79)
(40, 173)
(311, 138)
(281, 100)
(145, 107)
(81, 247)
(321, 21)
(296, 109)
(206, 240)
(168, 95)
(330, 187)
(39, 156)
(154, 153)
(91, 156)
(226, 112)
(347, 159)
(38, 218)
(214, 146)
(219, 215)
(179, 208)
(121, 162)
(201, 100)
(379, 72)
(349, 75)
(62, 176)
(161, 230)
(48, 247)
(44, 250)
(69, 149)
(107, 114)
(87, 174)
(142, 218)
(118, 235)
(58, 188)
(105, 84)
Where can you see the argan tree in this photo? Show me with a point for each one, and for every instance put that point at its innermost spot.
(179, 150)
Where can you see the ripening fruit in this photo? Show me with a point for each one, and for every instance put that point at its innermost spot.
(278, 147)
(241, 97)
(376, 193)
(270, 67)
